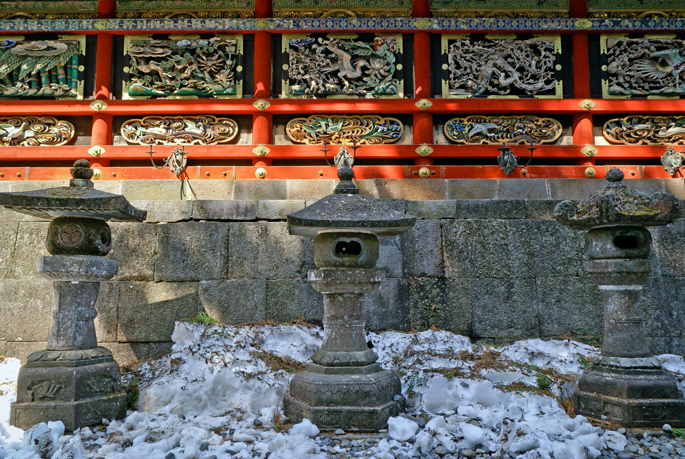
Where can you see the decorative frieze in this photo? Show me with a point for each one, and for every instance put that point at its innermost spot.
(363, 129)
(342, 66)
(496, 130)
(498, 65)
(499, 8)
(342, 8)
(70, 9)
(650, 66)
(635, 8)
(41, 68)
(186, 9)
(177, 130)
(646, 130)
(183, 66)
(33, 131)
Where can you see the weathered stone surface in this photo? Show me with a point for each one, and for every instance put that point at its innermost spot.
(476, 248)
(472, 189)
(569, 305)
(523, 189)
(29, 246)
(129, 355)
(8, 240)
(417, 190)
(390, 256)
(541, 209)
(310, 189)
(398, 205)
(504, 308)
(133, 245)
(191, 251)
(7, 215)
(264, 251)
(260, 189)
(36, 185)
(432, 210)
(166, 211)
(151, 190)
(666, 345)
(662, 306)
(234, 301)
(224, 210)
(676, 187)
(439, 302)
(292, 299)
(22, 349)
(667, 248)
(25, 311)
(387, 308)
(221, 189)
(107, 308)
(108, 186)
(574, 189)
(148, 309)
(278, 210)
(498, 209)
(647, 186)
(422, 250)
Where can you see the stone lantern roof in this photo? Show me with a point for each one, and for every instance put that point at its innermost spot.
(346, 209)
(79, 199)
(618, 205)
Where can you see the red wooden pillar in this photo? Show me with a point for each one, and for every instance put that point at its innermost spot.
(262, 123)
(582, 134)
(101, 136)
(582, 122)
(107, 9)
(423, 122)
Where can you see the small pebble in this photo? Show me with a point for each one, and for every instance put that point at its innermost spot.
(332, 451)
(204, 446)
(624, 456)
(284, 420)
(340, 432)
(170, 456)
(480, 451)
(257, 422)
(105, 422)
(421, 422)
(397, 398)
(441, 451)
(355, 444)
(211, 457)
(231, 452)
(621, 430)
(177, 444)
(469, 453)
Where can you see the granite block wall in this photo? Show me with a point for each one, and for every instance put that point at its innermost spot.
(485, 259)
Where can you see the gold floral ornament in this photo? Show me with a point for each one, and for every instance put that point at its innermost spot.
(646, 130)
(495, 130)
(176, 130)
(23, 131)
(367, 129)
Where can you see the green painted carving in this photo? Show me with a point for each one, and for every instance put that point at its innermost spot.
(341, 4)
(495, 130)
(365, 129)
(506, 5)
(41, 9)
(176, 130)
(643, 66)
(40, 68)
(193, 5)
(347, 67)
(184, 67)
(34, 131)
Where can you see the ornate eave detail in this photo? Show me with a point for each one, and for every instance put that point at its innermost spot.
(618, 205)
(182, 25)
(342, 129)
(179, 130)
(342, 9)
(635, 8)
(169, 9)
(496, 130)
(500, 8)
(81, 9)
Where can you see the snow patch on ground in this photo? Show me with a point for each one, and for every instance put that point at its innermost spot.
(219, 393)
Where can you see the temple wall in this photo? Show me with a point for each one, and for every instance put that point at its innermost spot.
(484, 260)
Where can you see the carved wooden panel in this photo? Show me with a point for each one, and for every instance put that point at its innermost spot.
(496, 130)
(362, 129)
(179, 130)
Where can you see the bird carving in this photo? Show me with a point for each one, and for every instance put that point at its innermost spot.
(660, 65)
(345, 63)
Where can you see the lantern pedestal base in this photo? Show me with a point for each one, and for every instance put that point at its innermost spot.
(632, 392)
(355, 399)
(78, 387)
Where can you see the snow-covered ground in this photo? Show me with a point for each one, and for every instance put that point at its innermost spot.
(218, 395)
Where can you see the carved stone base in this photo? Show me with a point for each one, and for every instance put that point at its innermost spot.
(355, 399)
(77, 387)
(630, 392)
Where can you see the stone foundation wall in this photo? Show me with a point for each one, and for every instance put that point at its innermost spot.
(484, 260)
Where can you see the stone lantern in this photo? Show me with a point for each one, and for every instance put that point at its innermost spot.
(626, 384)
(343, 387)
(73, 380)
